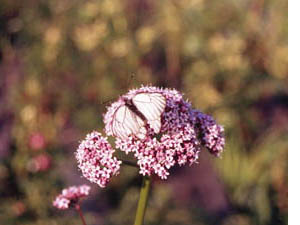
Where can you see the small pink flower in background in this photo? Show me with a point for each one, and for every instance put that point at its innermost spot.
(70, 196)
(95, 159)
(18, 208)
(37, 141)
(39, 163)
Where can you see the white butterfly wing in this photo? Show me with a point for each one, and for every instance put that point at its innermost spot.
(151, 105)
(126, 122)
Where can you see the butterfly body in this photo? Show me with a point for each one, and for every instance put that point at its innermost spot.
(138, 110)
(133, 108)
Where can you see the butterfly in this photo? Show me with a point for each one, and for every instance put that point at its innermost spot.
(137, 111)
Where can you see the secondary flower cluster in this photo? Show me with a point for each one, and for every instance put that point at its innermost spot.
(211, 134)
(95, 159)
(183, 131)
(70, 196)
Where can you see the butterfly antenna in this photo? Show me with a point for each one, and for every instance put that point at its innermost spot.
(105, 102)
(130, 78)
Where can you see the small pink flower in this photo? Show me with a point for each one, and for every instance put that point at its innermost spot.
(39, 163)
(37, 141)
(95, 159)
(70, 196)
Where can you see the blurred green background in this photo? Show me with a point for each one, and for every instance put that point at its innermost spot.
(62, 60)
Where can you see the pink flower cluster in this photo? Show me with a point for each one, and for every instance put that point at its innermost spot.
(182, 132)
(70, 196)
(95, 159)
(211, 134)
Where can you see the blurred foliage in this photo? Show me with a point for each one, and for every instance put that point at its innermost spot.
(61, 61)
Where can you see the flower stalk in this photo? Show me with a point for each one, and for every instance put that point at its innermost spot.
(128, 163)
(77, 207)
(142, 205)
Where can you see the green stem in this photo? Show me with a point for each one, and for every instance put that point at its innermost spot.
(141, 209)
(128, 163)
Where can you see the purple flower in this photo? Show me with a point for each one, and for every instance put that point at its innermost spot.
(183, 130)
(211, 134)
(95, 159)
(70, 196)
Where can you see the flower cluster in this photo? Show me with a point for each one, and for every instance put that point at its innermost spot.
(70, 196)
(211, 134)
(182, 131)
(178, 141)
(95, 159)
